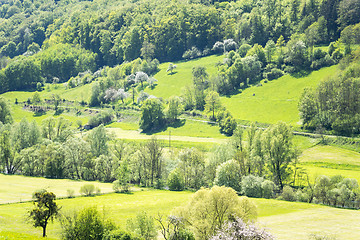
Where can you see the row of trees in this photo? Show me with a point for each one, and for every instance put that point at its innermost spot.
(53, 150)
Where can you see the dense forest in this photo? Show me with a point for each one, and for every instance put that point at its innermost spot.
(53, 41)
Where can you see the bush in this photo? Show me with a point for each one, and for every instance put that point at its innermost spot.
(88, 224)
(70, 193)
(101, 118)
(251, 186)
(143, 226)
(175, 181)
(87, 189)
(228, 175)
(301, 196)
(273, 74)
(118, 235)
(238, 229)
(228, 125)
(218, 47)
(268, 188)
(191, 53)
(288, 194)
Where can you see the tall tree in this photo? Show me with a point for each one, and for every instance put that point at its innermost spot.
(279, 151)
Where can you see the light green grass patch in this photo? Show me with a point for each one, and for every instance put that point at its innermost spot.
(171, 84)
(286, 220)
(19, 113)
(276, 100)
(15, 188)
(330, 161)
(72, 94)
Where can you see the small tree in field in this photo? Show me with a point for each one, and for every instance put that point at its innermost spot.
(45, 209)
(212, 103)
(171, 68)
(87, 189)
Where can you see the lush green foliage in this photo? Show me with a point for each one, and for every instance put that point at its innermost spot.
(209, 209)
(333, 105)
(45, 209)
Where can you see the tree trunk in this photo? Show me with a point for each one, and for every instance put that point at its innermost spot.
(44, 231)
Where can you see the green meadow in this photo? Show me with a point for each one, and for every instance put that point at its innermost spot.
(171, 84)
(330, 161)
(276, 100)
(286, 220)
(15, 188)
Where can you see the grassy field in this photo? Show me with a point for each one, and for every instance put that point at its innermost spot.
(15, 188)
(286, 220)
(171, 84)
(330, 160)
(275, 100)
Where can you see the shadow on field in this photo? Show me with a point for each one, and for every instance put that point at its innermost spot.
(178, 123)
(300, 74)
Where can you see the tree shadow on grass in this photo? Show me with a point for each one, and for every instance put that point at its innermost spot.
(176, 124)
(300, 74)
(39, 114)
(172, 73)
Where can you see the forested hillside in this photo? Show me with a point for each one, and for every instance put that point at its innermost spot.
(61, 37)
(258, 98)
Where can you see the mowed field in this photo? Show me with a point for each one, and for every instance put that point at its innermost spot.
(15, 188)
(330, 161)
(285, 220)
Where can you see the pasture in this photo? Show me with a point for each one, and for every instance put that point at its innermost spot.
(15, 188)
(276, 100)
(171, 84)
(330, 161)
(285, 220)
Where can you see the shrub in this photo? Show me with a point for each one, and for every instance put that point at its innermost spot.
(175, 181)
(218, 47)
(118, 235)
(301, 196)
(87, 189)
(273, 74)
(228, 175)
(228, 125)
(268, 188)
(70, 193)
(288, 194)
(251, 186)
(191, 53)
(101, 118)
(238, 229)
(143, 226)
(88, 224)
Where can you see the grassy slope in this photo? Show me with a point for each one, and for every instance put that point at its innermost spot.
(276, 100)
(329, 160)
(75, 94)
(171, 84)
(286, 220)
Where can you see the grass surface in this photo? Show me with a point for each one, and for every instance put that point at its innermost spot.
(15, 188)
(286, 220)
(171, 84)
(330, 160)
(276, 100)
